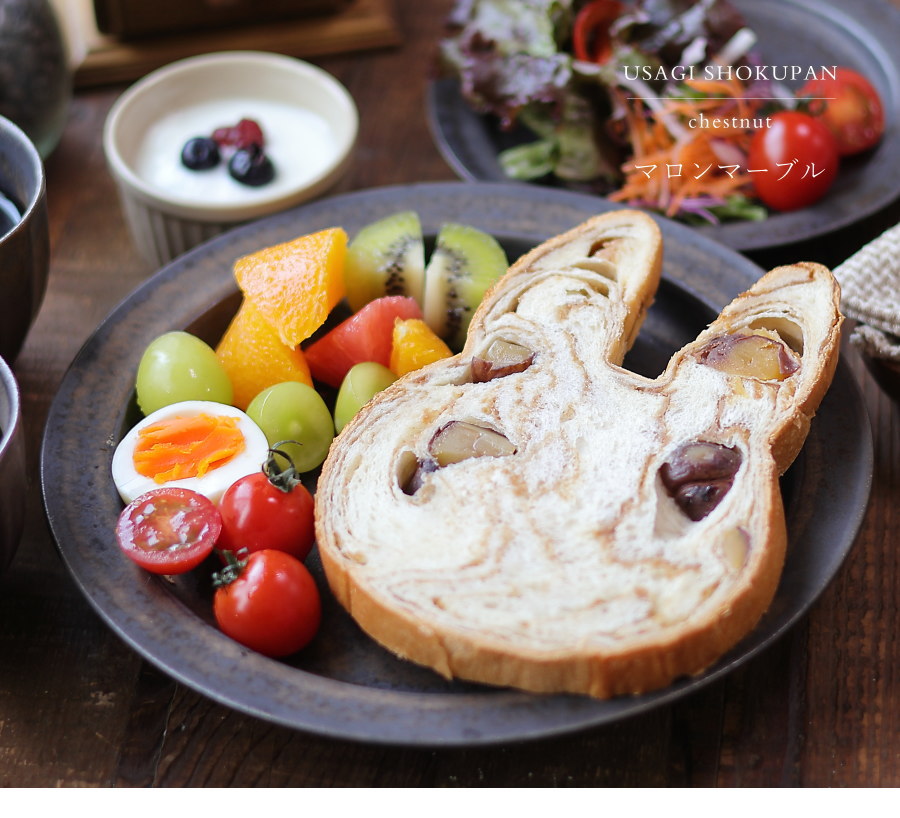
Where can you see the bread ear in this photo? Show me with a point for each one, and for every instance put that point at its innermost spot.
(796, 306)
(739, 401)
(613, 260)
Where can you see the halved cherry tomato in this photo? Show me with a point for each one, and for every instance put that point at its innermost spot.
(590, 31)
(365, 336)
(269, 509)
(793, 162)
(851, 108)
(169, 530)
(269, 603)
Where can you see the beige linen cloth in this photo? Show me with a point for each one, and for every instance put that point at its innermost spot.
(870, 293)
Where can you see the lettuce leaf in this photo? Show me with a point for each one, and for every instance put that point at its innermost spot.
(505, 54)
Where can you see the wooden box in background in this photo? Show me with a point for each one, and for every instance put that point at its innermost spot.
(126, 19)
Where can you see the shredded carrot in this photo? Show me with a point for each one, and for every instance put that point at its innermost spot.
(181, 447)
(667, 168)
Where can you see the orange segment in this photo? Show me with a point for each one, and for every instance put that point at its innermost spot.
(296, 284)
(181, 447)
(415, 345)
(255, 358)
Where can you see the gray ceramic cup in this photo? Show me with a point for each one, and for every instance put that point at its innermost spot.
(13, 476)
(25, 245)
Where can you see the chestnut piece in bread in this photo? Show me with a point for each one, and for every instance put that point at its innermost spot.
(567, 562)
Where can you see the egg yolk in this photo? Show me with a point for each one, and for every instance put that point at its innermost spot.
(181, 447)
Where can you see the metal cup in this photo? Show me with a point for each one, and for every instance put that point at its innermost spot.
(25, 245)
(13, 475)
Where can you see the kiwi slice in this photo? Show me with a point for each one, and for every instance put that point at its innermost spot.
(465, 262)
(386, 257)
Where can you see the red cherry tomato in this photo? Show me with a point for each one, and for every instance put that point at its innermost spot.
(168, 530)
(268, 602)
(590, 31)
(269, 509)
(851, 108)
(365, 336)
(795, 161)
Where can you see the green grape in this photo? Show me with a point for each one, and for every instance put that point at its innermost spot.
(359, 386)
(179, 366)
(294, 411)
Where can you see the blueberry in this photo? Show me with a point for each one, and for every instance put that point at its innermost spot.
(251, 166)
(200, 153)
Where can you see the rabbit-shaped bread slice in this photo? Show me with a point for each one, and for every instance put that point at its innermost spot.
(528, 513)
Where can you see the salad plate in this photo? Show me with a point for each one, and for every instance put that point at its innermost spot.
(343, 684)
(862, 35)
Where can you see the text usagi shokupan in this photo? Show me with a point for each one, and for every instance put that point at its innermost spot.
(743, 73)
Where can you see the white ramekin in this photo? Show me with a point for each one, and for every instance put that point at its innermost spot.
(166, 223)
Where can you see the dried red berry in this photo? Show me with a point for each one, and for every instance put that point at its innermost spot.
(249, 133)
(241, 136)
(225, 137)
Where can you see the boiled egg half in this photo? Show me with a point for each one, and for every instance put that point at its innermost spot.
(199, 445)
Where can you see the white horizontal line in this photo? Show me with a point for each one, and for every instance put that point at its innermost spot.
(771, 99)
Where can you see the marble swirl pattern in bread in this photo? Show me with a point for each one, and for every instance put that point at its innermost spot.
(566, 565)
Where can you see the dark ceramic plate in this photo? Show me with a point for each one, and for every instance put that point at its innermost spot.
(863, 35)
(344, 685)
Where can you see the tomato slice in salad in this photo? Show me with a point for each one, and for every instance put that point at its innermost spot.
(169, 530)
(590, 31)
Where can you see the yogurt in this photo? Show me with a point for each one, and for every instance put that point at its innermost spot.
(299, 142)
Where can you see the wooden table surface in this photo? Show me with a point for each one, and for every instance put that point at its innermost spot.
(80, 708)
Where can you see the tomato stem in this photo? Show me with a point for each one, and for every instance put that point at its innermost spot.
(284, 479)
(235, 562)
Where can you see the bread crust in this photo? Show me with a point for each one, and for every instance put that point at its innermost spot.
(444, 615)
